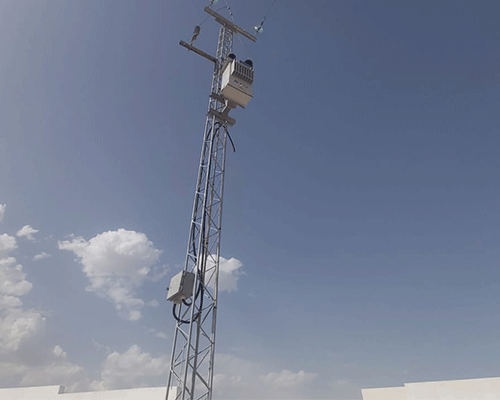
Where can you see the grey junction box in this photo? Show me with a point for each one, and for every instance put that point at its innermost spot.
(181, 287)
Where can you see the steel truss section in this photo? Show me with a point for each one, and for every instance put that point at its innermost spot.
(193, 350)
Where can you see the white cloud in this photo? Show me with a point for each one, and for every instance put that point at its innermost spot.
(153, 303)
(9, 369)
(287, 379)
(130, 369)
(59, 352)
(7, 244)
(27, 231)
(50, 368)
(231, 364)
(41, 256)
(51, 372)
(6, 261)
(159, 334)
(43, 367)
(25, 361)
(12, 280)
(234, 377)
(73, 377)
(117, 263)
(240, 378)
(16, 323)
(7, 302)
(2, 211)
(101, 347)
(229, 273)
(225, 385)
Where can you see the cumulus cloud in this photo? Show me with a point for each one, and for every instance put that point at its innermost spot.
(158, 334)
(41, 256)
(49, 368)
(227, 383)
(287, 379)
(341, 382)
(7, 244)
(16, 323)
(12, 279)
(27, 231)
(20, 328)
(131, 369)
(8, 302)
(45, 366)
(2, 211)
(153, 303)
(235, 376)
(72, 376)
(59, 352)
(229, 273)
(117, 263)
(101, 347)
(161, 335)
(239, 378)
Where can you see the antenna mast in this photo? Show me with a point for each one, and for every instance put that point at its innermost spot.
(194, 290)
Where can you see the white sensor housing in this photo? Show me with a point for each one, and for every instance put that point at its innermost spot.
(237, 80)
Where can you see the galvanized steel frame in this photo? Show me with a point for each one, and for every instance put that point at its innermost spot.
(193, 350)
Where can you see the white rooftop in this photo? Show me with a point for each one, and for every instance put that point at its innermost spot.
(57, 393)
(464, 389)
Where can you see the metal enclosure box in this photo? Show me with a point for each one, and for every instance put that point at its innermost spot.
(237, 80)
(181, 287)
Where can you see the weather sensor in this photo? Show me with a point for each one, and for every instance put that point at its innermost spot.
(237, 80)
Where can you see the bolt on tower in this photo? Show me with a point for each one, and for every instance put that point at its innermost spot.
(194, 290)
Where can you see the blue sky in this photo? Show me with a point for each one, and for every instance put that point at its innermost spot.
(361, 212)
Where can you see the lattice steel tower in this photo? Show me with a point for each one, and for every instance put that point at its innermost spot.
(194, 290)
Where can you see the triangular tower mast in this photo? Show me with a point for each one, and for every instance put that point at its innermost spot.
(194, 291)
